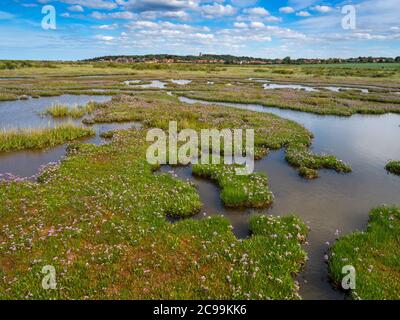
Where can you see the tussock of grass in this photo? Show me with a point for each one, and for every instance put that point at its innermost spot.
(273, 268)
(62, 111)
(24, 139)
(237, 190)
(375, 256)
(393, 167)
(309, 162)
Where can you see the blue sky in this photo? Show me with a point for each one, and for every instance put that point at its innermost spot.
(260, 28)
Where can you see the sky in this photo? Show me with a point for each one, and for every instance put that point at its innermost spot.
(257, 28)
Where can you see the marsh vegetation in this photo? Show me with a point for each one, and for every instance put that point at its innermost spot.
(30, 139)
(102, 216)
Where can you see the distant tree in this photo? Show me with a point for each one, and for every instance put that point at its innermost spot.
(397, 59)
(287, 60)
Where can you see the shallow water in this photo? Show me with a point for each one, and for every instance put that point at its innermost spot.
(272, 86)
(181, 82)
(13, 78)
(334, 203)
(154, 84)
(338, 89)
(27, 114)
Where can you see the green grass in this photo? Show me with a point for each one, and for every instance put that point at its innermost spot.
(309, 162)
(324, 102)
(237, 190)
(28, 139)
(271, 132)
(393, 167)
(374, 255)
(62, 111)
(100, 220)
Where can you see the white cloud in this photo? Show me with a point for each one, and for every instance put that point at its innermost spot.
(218, 10)
(286, 10)
(123, 15)
(104, 38)
(107, 26)
(273, 19)
(323, 9)
(240, 25)
(259, 11)
(92, 4)
(303, 14)
(256, 24)
(76, 8)
(159, 5)
(301, 4)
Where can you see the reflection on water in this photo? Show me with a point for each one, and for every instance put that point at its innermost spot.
(335, 203)
(181, 82)
(27, 114)
(271, 86)
(154, 84)
(338, 89)
(12, 78)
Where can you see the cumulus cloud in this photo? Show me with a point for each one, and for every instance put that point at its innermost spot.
(107, 26)
(104, 38)
(303, 14)
(92, 4)
(160, 5)
(123, 15)
(286, 10)
(76, 8)
(322, 9)
(240, 25)
(218, 10)
(258, 11)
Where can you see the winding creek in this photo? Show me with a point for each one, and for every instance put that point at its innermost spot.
(333, 205)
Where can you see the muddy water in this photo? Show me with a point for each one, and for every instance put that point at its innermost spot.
(335, 204)
(27, 114)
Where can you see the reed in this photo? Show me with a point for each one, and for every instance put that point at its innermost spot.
(63, 111)
(40, 138)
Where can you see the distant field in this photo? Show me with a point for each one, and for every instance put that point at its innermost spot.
(368, 73)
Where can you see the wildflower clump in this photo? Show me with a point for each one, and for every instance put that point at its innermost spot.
(237, 190)
(374, 256)
(393, 167)
(271, 269)
(298, 155)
